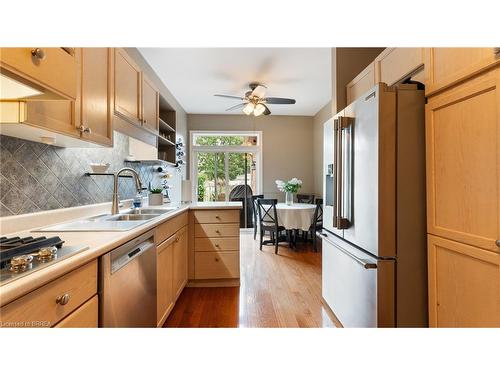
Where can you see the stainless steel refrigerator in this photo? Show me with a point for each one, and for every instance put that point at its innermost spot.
(374, 235)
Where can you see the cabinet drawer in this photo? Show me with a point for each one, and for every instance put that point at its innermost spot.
(168, 228)
(217, 216)
(86, 316)
(217, 265)
(395, 64)
(40, 307)
(56, 72)
(217, 244)
(216, 230)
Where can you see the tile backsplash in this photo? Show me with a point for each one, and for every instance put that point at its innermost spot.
(38, 177)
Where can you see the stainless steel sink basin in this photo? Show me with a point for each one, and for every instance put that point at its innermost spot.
(132, 217)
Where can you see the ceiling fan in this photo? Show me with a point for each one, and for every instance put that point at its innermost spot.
(254, 102)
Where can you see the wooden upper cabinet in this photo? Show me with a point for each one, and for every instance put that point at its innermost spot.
(127, 87)
(94, 96)
(53, 71)
(463, 162)
(447, 66)
(363, 82)
(464, 285)
(150, 104)
(395, 64)
(180, 261)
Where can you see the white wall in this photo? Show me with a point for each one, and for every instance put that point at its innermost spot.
(287, 145)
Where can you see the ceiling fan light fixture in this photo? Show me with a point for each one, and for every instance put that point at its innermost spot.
(248, 108)
(259, 109)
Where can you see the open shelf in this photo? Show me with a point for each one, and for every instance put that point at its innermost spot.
(165, 127)
(106, 174)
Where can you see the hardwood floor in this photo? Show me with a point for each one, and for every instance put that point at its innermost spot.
(281, 290)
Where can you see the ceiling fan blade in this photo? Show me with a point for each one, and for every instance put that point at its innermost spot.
(267, 111)
(279, 101)
(259, 91)
(229, 96)
(241, 105)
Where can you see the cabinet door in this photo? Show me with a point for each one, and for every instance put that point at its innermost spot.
(446, 66)
(165, 288)
(464, 285)
(463, 171)
(150, 104)
(94, 98)
(51, 69)
(127, 88)
(394, 64)
(180, 268)
(363, 82)
(54, 115)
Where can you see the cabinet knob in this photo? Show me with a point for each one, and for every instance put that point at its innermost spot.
(217, 231)
(216, 259)
(63, 300)
(38, 53)
(497, 242)
(177, 239)
(496, 50)
(85, 129)
(217, 217)
(217, 245)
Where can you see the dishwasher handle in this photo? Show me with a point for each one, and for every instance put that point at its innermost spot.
(124, 254)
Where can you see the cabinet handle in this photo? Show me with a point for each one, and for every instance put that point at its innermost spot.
(63, 300)
(497, 242)
(216, 259)
(217, 217)
(177, 239)
(217, 231)
(38, 53)
(85, 129)
(217, 245)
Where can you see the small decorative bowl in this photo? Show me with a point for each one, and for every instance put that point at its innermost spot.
(99, 167)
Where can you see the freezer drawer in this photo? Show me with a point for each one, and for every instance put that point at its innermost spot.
(357, 287)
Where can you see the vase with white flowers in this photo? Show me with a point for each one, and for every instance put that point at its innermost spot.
(290, 188)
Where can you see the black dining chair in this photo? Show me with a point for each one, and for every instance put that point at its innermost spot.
(255, 213)
(305, 198)
(268, 220)
(317, 223)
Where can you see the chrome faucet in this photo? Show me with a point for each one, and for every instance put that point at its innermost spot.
(116, 201)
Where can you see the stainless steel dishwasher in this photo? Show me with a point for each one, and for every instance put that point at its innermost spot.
(128, 284)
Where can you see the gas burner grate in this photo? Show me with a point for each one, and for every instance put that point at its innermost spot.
(15, 246)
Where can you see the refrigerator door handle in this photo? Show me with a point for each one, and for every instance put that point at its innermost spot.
(336, 195)
(362, 262)
(345, 159)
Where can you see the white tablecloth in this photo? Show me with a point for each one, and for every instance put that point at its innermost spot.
(296, 216)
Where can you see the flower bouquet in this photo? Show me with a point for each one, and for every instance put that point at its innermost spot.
(290, 188)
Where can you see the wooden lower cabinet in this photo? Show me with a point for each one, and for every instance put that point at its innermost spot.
(464, 285)
(171, 273)
(51, 303)
(86, 316)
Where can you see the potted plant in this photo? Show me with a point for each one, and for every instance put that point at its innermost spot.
(290, 188)
(156, 196)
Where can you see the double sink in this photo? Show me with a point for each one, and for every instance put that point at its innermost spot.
(124, 221)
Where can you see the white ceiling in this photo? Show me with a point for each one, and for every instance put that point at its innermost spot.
(194, 75)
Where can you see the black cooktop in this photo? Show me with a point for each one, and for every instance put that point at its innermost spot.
(15, 246)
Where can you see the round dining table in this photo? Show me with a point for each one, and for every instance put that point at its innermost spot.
(295, 216)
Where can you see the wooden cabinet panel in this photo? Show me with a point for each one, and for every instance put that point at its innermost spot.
(217, 216)
(86, 316)
(150, 103)
(94, 95)
(168, 228)
(43, 304)
(463, 156)
(217, 244)
(57, 115)
(57, 71)
(217, 265)
(363, 82)
(127, 87)
(216, 230)
(394, 64)
(464, 285)
(180, 267)
(447, 66)
(164, 282)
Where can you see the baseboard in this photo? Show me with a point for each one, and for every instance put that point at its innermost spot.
(213, 283)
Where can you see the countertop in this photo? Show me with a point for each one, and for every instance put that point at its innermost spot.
(99, 243)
